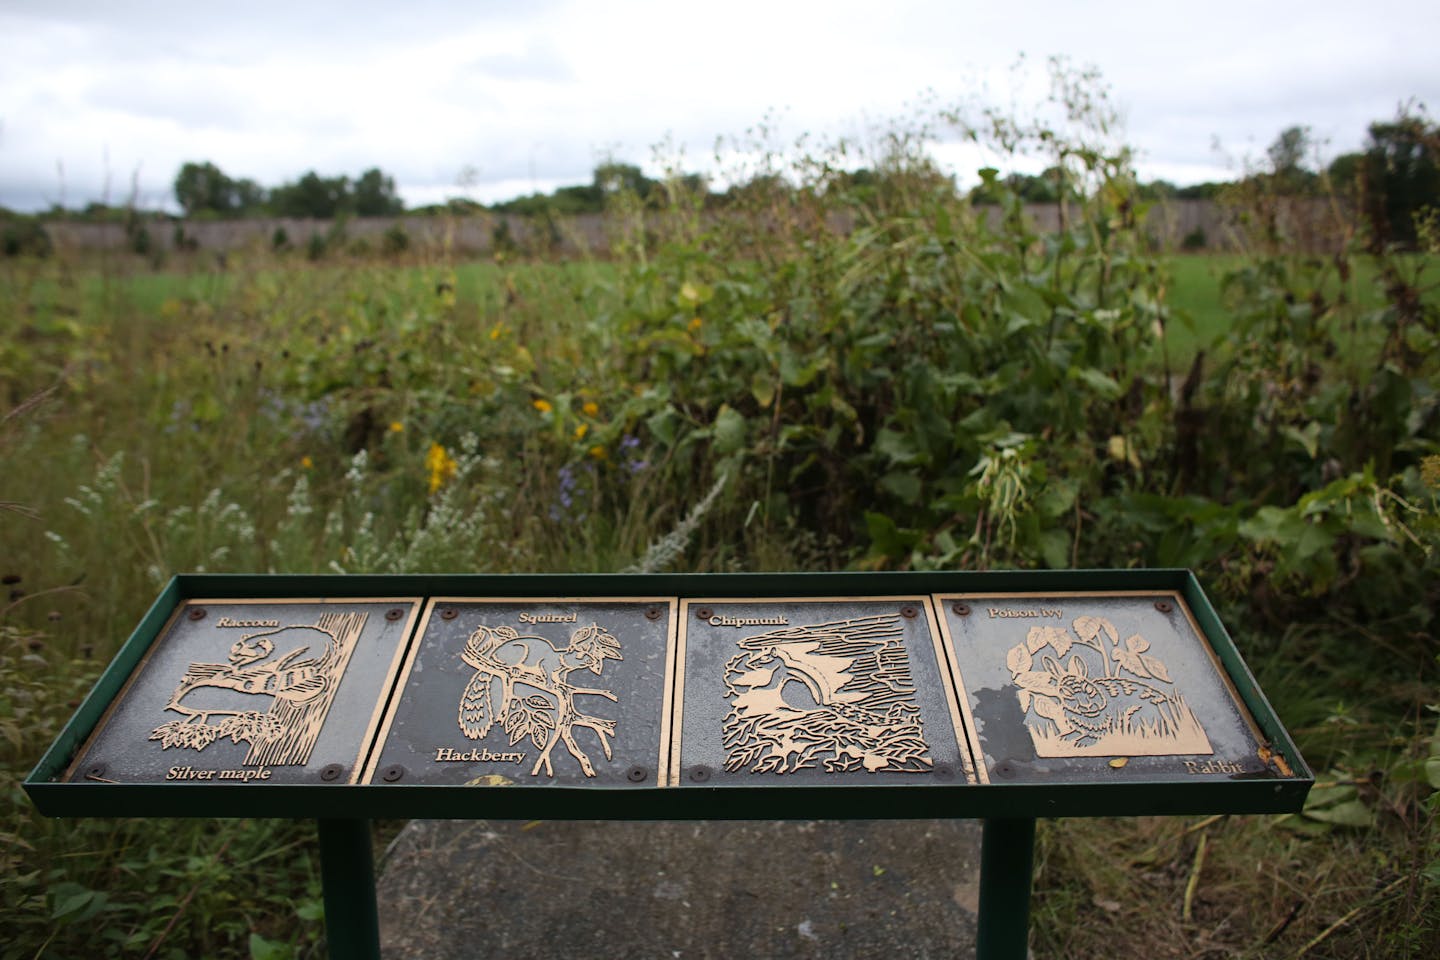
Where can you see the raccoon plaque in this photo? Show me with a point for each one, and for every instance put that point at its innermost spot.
(262, 691)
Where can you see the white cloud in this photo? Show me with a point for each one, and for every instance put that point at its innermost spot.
(533, 94)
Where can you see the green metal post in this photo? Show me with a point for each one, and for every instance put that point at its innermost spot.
(347, 869)
(1007, 852)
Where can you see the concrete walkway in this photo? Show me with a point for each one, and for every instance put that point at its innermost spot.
(680, 891)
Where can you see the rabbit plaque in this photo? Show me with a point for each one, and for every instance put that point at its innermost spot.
(1057, 686)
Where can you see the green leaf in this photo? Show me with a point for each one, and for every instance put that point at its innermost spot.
(1057, 497)
(263, 949)
(729, 430)
(896, 446)
(903, 484)
(1351, 813)
(1055, 548)
(1103, 385)
(69, 898)
(1308, 438)
(762, 388)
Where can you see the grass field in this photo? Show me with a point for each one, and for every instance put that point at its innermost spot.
(924, 394)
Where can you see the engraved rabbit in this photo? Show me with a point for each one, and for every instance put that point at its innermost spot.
(1086, 708)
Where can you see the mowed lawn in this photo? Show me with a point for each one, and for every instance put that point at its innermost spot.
(1203, 311)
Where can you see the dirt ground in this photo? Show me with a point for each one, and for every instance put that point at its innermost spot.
(679, 890)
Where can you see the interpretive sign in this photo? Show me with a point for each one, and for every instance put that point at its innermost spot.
(1004, 696)
(543, 691)
(1059, 687)
(815, 691)
(775, 695)
(253, 691)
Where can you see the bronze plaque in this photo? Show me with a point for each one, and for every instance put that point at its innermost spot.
(1094, 687)
(815, 691)
(253, 691)
(565, 692)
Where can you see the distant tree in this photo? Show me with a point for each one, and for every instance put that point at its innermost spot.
(314, 196)
(375, 196)
(1044, 188)
(1157, 190)
(249, 197)
(1288, 156)
(1208, 190)
(761, 189)
(577, 199)
(203, 187)
(611, 178)
(1345, 171)
(1400, 175)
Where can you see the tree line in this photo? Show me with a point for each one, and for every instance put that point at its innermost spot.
(1392, 180)
(204, 190)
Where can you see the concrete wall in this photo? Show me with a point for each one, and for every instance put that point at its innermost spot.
(1306, 224)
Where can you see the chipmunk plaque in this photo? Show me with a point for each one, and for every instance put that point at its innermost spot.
(815, 691)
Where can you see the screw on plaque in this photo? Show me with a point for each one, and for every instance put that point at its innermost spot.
(1164, 606)
(96, 771)
(636, 774)
(700, 774)
(652, 613)
(197, 613)
(704, 613)
(961, 609)
(394, 613)
(944, 772)
(909, 612)
(392, 773)
(331, 772)
(449, 613)
(1004, 769)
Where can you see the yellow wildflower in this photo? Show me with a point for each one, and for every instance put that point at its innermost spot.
(590, 408)
(496, 331)
(441, 466)
(598, 452)
(396, 426)
(694, 325)
(581, 430)
(542, 405)
(307, 463)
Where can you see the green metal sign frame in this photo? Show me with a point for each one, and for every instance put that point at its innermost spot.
(1008, 808)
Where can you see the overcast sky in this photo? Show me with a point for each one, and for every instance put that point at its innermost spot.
(490, 100)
